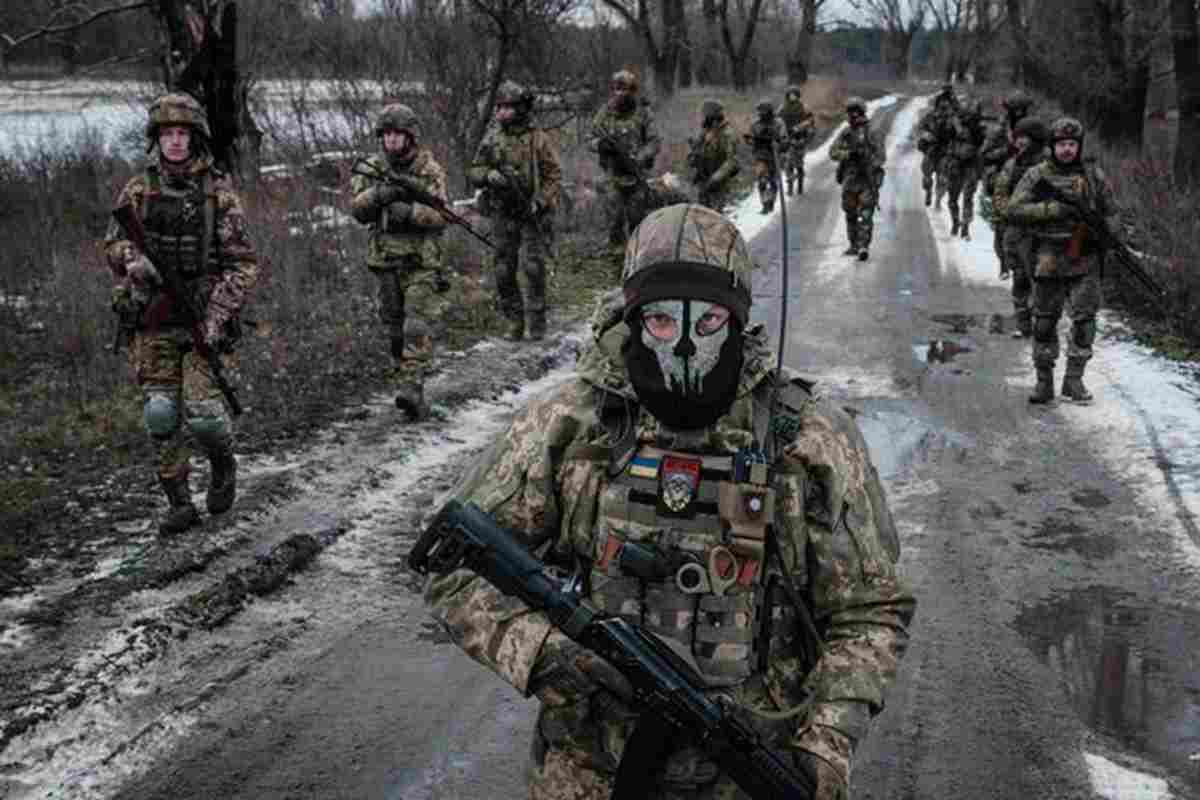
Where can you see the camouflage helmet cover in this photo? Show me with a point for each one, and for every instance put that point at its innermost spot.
(398, 117)
(1018, 101)
(794, 91)
(177, 108)
(711, 108)
(765, 106)
(688, 251)
(1066, 128)
(856, 104)
(513, 93)
(1033, 128)
(624, 79)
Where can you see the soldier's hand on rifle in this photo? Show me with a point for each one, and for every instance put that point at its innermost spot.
(1053, 209)
(566, 672)
(645, 158)
(143, 273)
(385, 195)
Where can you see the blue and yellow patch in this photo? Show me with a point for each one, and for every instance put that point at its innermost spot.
(644, 467)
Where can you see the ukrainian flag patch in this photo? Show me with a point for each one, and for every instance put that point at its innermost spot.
(644, 467)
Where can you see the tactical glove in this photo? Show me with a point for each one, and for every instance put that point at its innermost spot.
(143, 273)
(1053, 209)
(400, 211)
(385, 195)
(566, 672)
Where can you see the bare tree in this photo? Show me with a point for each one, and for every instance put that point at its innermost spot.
(1185, 42)
(661, 47)
(900, 21)
(711, 69)
(799, 63)
(953, 20)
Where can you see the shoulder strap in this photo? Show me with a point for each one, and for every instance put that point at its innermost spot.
(210, 222)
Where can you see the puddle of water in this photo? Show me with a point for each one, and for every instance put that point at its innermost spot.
(1129, 668)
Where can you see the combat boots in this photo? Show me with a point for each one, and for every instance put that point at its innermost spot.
(410, 398)
(791, 186)
(181, 514)
(1072, 385)
(1044, 391)
(222, 484)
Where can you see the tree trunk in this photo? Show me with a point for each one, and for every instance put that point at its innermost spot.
(799, 64)
(686, 69)
(710, 71)
(739, 55)
(1185, 40)
(1016, 30)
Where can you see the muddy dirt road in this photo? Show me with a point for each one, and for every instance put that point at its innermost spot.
(286, 655)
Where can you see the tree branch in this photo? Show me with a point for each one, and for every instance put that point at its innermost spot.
(50, 29)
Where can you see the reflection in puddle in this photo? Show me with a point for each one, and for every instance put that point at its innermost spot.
(939, 351)
(1133, 673)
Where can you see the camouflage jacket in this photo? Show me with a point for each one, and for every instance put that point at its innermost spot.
(860, 158)
(935, 132)
(188, 218)
(1010, 175)
(1063, 246)
(969, 136)
(713, 157)
(765, 138)
(633, 133)
(392, 240)
(801, 123)
(516, 152)
(545, 477)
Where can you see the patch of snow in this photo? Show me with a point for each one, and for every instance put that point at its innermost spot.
(1114, 782)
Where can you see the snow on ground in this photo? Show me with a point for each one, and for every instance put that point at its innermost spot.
(1114, 782)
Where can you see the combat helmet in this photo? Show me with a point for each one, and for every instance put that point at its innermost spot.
(856, 104)
(1066, 128)
(689, 251)
(623, 79)
(711, 109)
(177, 108)
(512, 93)
(765, 107)
(794, 91)
(398, 117)
(1033, 128)
(1018, 103)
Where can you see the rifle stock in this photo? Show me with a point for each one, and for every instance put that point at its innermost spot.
(461, 535)
(417, 193)
(131, 225)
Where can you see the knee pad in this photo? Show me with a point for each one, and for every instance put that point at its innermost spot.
(1043, 327)
(1084, 333)
(210, 426)
(160, 414)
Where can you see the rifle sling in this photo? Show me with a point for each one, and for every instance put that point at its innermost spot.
(646, 751)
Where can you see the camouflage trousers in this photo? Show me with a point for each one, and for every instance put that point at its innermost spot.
(182, 407)
(766, 177)
(793, 167)
(961, 182)
(998, 229)
(625, 207)
(1017, 258)
(1078, 293)
(509, 233)
(859, 205)
(929, 171)
(412, 306)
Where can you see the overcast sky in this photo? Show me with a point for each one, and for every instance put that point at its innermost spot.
(833, 8)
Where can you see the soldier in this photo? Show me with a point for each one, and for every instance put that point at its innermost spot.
(961, 167)
(860, 171)
(1029, 137)
(713, 157)
(629, 459)
(801, 126)
(517, 166)
(194, 226)
(934, 137)
(627, 141)
(767, 138)
(997, 150)
(1067, 260)
(404, 250)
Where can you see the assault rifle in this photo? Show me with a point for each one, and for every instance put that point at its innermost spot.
(131, 224)
(676, 708)
(415, 193)
(625, 161)
(1108, 241)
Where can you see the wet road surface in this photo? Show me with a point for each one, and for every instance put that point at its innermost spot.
(1059, 606)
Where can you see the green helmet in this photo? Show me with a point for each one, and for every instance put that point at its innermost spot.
(712, 109)
(689, 251)
(765, 107)
(856, 104)
(512, 93)
(177, 108)
(398, 117)
(1066, 128)
(1033, 128)
(793, 90)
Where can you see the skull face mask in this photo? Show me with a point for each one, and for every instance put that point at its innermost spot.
(685, 361)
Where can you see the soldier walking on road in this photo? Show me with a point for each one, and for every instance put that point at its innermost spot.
(626, 138)
(404, 250)
(641, 470)
(961, 167)
(801, 127)
(712, 157)
(517, 166)
(195, 228)
(860, 158)
(767, 140)
(998, 148)
(935, 134)
(1030, 141)
(1067, 259)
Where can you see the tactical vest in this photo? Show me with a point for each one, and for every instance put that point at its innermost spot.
(1078, 184)
(680, 551)
(180, 224)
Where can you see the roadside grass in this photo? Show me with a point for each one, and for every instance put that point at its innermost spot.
(70, 413)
